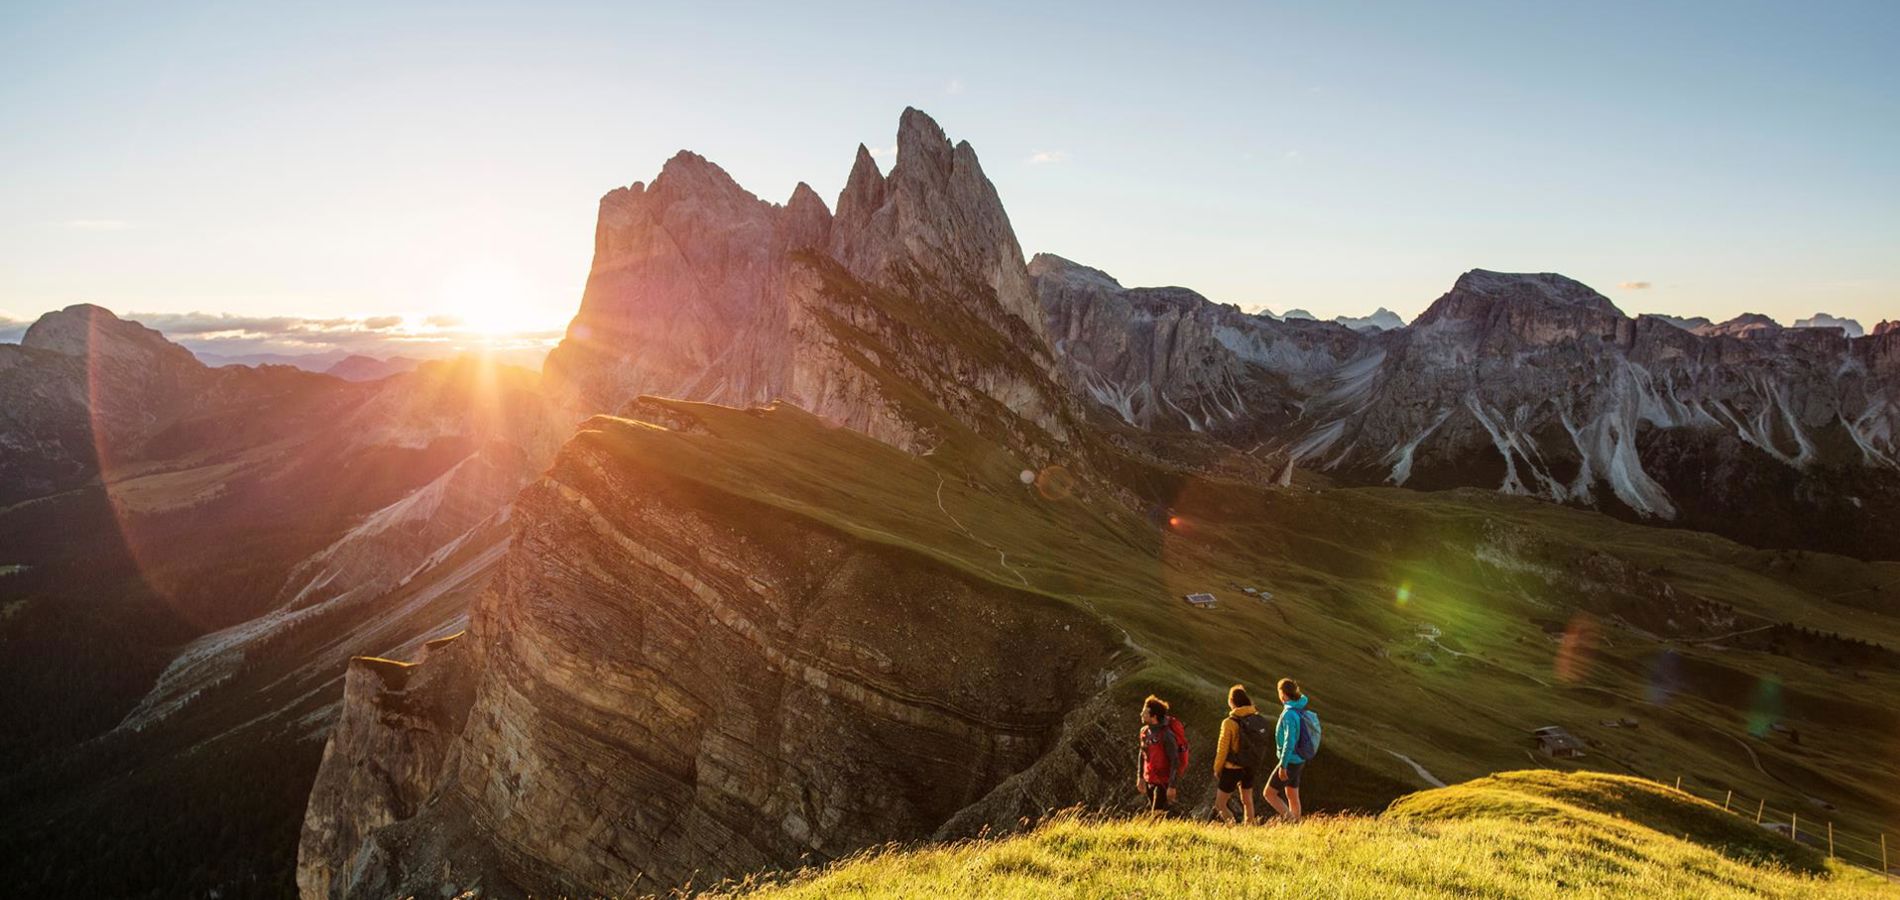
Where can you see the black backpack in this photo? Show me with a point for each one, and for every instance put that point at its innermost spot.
(1256, 740)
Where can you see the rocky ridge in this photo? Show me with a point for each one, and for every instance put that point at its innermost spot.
(791, 685)
(1532, 384)
(700, 290)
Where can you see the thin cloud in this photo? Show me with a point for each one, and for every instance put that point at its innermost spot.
(201, 323)
(1046, 157)
(954, 88)
(98, 224)
(382, 323)
(442, 320)
(11, 330)
(884, 152)
(1634, 286)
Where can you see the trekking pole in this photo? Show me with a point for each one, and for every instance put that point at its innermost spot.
(1794, 826)
(1830, 840)
(1758, 808)
(1883, 856)
(1678, 784)
(1726, 798)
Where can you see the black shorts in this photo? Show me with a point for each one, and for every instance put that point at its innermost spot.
(1286, 777)
(1231, 778)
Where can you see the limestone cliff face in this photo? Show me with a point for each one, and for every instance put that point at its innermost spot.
(915, 291)
(385, 757)
(684, 298)
(1168, 358)
(1532, 384)
(669, 682)
(937, 215)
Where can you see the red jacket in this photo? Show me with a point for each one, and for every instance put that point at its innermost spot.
(1164, 751)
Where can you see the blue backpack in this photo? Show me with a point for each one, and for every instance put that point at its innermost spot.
(1308, 742)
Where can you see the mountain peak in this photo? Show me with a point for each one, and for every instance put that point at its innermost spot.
(937, 215)
(921, 141)
(1746, 325)
(1848, 327)
(1049, 265)
(84, 329)
(1382, 319)
(689, 174)
(863, 192)
(1545, 287)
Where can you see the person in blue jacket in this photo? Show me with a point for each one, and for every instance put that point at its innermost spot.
(1286, 739)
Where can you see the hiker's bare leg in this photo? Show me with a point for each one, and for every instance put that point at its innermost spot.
(1246, 803)
(1220, 806)
(1273, 799)
(1293, 802)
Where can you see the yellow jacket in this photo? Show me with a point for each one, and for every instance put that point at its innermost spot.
(1230, 739)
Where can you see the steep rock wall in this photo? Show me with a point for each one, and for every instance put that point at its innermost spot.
(676, 683)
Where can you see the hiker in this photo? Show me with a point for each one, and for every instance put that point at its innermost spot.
(1295, 739)
(1246, 742)
(1164, 754)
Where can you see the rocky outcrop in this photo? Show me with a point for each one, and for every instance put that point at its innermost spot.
(1169, 358)
(1382, 319)
(916, 289)
(1745, 326)
(1686, 323)
(85, 389)
(937, 216)
(385, 757)
(1535, 384)
(1848, 327)
(1565, 389)
(670, 682)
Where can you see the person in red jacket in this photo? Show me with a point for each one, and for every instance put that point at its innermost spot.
(1164, 754)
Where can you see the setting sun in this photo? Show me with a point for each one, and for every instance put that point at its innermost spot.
(489, 298)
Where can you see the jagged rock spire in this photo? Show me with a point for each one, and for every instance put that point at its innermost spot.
(938, 215)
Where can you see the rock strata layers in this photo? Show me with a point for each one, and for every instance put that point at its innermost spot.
(666, 682)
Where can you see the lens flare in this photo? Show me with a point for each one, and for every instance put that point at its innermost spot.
(1765, 711)
(1055, 483)
(1665, 678)
(1404, 594)
(1576, 653)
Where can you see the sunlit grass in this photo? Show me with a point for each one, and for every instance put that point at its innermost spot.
(1530, 835)
(1359, 577)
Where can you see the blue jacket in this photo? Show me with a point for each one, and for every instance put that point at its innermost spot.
(1286, 735)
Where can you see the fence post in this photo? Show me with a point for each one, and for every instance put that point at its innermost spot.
(1830, 840)
(1678, 783)
(1726, 798)
(1758, 808)
(1794, 826)
(1883, 856)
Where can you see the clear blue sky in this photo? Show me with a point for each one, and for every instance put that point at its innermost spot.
(344, 159)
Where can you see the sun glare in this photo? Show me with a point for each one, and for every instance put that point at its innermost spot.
(489, 298)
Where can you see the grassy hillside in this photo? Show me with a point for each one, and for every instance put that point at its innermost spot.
(1430, 628)
(1522, 834)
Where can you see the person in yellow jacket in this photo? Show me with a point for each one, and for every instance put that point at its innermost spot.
(1246, 740)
